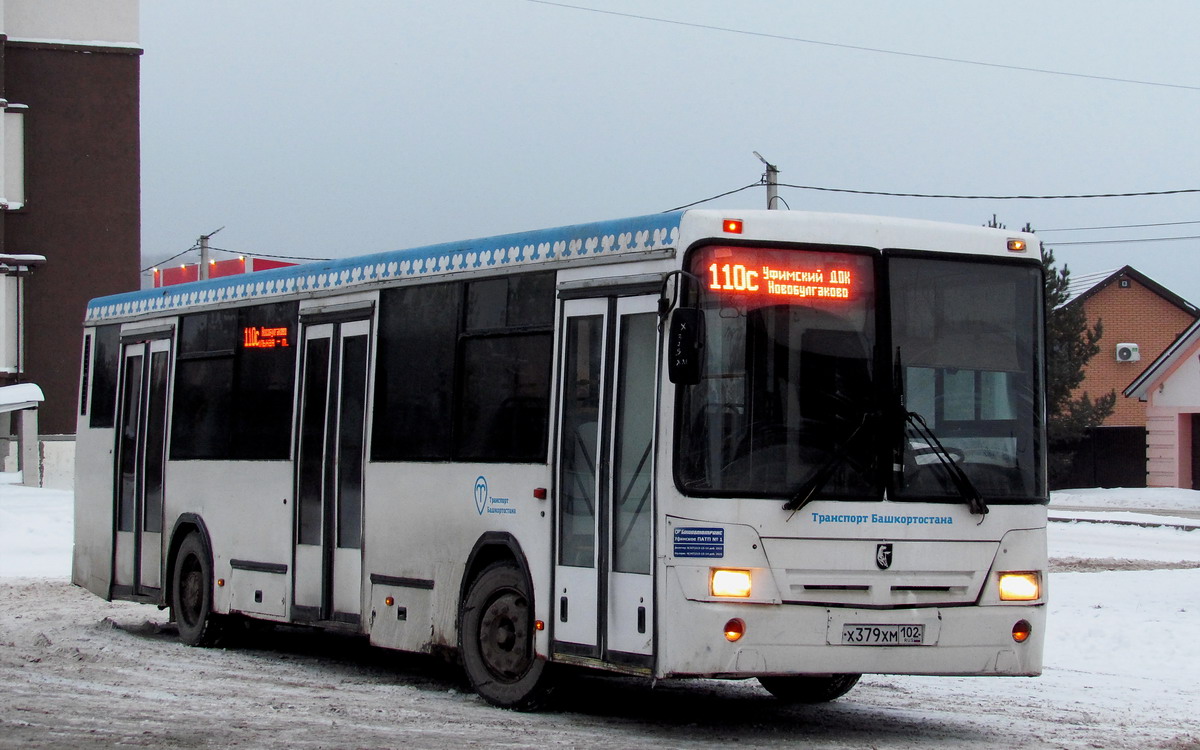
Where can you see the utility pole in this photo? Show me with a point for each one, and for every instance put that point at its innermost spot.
(204, 252)
(771, 180)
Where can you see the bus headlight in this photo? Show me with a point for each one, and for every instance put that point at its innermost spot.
(1020, 587)
(727, 582)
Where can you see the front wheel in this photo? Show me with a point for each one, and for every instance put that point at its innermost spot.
(809, 688)
(496, 640)
(191, 594)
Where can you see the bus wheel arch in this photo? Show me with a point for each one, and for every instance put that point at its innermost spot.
(496, 627)
(187, 523)
(190, 583)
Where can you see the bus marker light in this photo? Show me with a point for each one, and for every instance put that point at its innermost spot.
(220, 583)
(725, 582)
(389, 601)
(1020, 587)
(732, 226)
(735, 629)
(1021, 631)
(1017, 246)
(540, 493)
(539, 624)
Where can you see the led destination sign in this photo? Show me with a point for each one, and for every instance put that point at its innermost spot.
(263, 337)
(763, 279)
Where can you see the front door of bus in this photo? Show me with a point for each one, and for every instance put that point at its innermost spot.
(604, 587)
(141, 454)
(329, 473)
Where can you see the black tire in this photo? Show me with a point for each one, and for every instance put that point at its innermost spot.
(495, 640)
(191, 594)
(809, 688)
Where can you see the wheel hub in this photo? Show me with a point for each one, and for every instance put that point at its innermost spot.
(504, 636)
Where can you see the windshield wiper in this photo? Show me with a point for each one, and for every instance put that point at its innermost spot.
(959, 477)
(818, 479)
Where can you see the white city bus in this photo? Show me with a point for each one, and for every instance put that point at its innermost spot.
(793, 446)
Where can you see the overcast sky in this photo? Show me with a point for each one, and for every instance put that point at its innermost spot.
(325, 129)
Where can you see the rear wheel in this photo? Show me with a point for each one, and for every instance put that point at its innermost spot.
(496, 640)
(191, 594)
(809, 688)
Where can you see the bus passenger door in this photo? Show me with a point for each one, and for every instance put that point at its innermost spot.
(329, 473)
(604, 589)
(141, 456)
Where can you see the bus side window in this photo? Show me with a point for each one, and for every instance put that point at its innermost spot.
(85, 377)
(105, 362)
(506, 351)
(233, 394)
(414, 373)
(463, 370)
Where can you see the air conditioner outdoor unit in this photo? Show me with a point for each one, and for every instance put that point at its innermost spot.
(1128, 353)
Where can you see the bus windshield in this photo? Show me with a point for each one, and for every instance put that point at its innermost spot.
(966, 342)
(797, 393)
(787, 380)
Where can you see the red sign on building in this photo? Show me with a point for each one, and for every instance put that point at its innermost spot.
(216, 269)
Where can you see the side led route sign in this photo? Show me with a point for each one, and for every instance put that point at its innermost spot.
(262, 337)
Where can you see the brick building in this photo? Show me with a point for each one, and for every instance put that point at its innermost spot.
(69, 78)
(1140, 318)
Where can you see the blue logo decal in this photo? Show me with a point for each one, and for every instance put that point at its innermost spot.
(485, 503)
(481, 494)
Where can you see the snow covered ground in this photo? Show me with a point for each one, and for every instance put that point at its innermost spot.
(1121, 662)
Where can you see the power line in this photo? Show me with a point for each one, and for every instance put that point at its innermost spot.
(1121, 226)
(168, 260)
(988, 197)
(962, 197)
(1126, 242)
(713, 198)
(268, 255)
(235, 252)
(877, 50)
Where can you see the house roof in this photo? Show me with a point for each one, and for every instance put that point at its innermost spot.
(1078, 284)
(1165, 363)
(1086, 285)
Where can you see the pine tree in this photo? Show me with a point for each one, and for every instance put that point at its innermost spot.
(1070, 344)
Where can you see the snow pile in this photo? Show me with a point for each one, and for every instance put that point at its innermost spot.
(36, 532)
(1153, 506)
(1146, 498)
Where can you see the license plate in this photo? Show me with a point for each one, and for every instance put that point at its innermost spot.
(883, 635)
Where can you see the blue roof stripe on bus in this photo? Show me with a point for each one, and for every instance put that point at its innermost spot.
(543, 246)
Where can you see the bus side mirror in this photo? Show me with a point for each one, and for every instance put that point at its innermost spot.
(685, 339)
